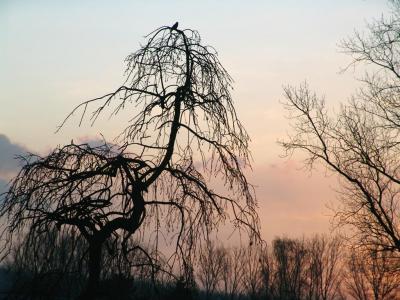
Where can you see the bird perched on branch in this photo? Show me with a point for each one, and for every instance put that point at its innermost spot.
(175, 26)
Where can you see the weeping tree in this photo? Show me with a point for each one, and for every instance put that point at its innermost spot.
(155, 188)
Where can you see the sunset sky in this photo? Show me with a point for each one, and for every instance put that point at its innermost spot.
(55, 54)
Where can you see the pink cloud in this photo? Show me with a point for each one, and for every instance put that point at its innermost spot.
(291, 200)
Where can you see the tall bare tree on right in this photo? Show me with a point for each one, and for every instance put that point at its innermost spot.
(372, 274)
(361, 142)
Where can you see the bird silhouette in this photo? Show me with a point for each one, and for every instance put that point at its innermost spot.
(175, 26)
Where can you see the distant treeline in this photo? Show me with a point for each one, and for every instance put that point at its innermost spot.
(314, 268)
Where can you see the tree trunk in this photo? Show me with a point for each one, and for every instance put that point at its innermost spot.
(94, 268)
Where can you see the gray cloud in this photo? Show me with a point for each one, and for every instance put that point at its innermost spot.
(10, 165)
(3, 188)
(8, 152)
(95, 142)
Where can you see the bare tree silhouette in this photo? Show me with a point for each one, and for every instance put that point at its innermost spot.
(301, 269)
(372, 274)
(157, 184)
(211, 261)
(324, 275)
(359, 144)
(233, 272)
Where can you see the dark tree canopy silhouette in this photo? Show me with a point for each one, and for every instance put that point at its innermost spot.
(155, 187)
